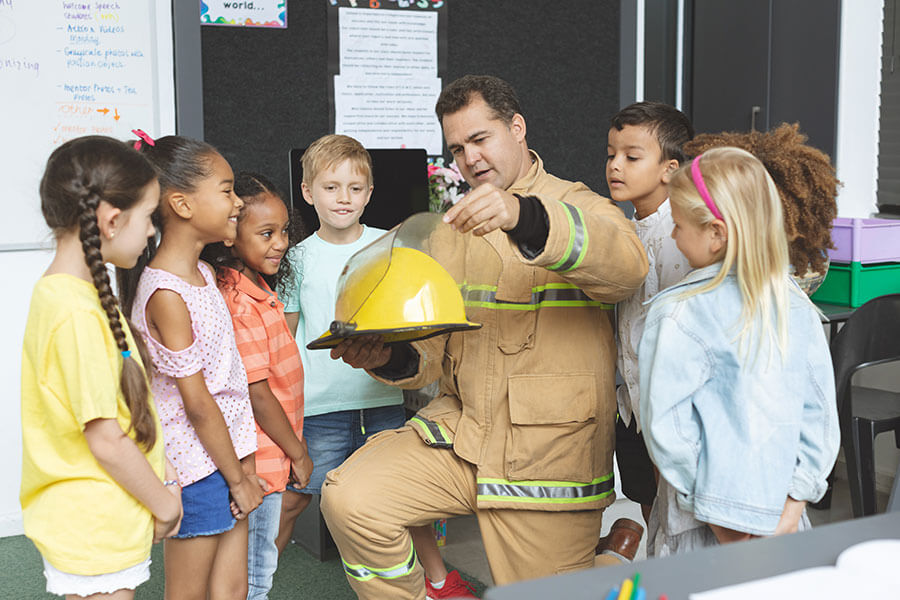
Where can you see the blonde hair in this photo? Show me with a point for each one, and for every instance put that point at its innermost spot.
(757, 246)
(329, 151)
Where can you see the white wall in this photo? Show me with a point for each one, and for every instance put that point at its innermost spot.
(21, 271)
(859, 88)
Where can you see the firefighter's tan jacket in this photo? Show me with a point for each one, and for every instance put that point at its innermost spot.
(529, 398)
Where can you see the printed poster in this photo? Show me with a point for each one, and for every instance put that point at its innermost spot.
(244, 13)
(386, 64)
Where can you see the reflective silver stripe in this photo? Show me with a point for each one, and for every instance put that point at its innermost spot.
(434, 433)
(580, 235)
(541, 296)
(364, 573)
(556, 492)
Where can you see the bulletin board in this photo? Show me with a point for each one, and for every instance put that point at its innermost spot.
(69, 69)
(266, 91)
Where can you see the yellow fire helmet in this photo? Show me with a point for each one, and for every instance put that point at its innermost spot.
(396, 288)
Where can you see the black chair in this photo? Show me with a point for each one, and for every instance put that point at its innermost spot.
(871, 336)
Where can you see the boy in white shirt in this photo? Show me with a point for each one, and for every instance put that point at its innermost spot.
(644, 148)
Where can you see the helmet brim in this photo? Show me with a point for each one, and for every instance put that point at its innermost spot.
(391, 336)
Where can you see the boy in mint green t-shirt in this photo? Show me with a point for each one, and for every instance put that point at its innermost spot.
(343, 406)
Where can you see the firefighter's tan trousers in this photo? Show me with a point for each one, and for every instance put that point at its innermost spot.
(395, 481)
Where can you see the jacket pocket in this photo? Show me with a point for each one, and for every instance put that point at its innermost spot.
(554, 427)
(514, 302)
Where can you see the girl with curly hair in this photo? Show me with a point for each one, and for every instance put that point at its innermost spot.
(806, 183)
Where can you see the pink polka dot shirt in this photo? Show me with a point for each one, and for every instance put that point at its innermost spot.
(215, 353)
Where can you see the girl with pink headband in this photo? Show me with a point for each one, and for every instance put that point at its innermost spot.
(737, 395)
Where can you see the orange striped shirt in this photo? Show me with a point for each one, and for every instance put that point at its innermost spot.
(269, 353)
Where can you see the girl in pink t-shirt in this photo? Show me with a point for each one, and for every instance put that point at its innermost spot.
(198, 379)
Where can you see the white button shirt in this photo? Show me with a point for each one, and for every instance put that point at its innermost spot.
(667, 266)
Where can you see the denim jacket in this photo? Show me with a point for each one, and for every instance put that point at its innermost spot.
(732, 434)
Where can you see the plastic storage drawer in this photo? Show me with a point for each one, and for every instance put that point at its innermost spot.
(855, 284)
(865, 240)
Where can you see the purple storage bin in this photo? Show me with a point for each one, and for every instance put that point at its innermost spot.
(865, 240)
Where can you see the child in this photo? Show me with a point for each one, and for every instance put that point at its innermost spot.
(643, 150)
(737, 393)
(807, 184)
(92, 451)
(247, 273)
(343, 405)
(198, 379)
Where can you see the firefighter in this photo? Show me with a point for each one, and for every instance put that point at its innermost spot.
(521, 431)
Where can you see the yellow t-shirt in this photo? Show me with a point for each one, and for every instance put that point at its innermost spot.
(79, 518)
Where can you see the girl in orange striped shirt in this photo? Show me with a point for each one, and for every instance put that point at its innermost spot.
(247, 271)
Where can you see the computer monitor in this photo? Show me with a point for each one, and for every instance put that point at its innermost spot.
(401, 187)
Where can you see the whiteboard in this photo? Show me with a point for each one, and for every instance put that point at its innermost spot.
(70, 68)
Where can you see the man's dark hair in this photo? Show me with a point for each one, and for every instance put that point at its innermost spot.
(497, 94)
(672, 128)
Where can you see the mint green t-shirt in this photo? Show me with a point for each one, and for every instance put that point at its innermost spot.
(328, 385)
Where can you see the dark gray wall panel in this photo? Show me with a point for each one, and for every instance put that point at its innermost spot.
(265, 91)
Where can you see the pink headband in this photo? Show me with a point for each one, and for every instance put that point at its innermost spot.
(701, 187)
(141, 134)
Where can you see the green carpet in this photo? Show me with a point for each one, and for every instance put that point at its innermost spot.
(299, 575)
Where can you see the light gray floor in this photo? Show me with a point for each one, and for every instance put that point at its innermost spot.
(465, 551)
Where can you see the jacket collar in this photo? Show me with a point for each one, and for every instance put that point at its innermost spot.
(528, 180)
(695, 276)
(712, 270)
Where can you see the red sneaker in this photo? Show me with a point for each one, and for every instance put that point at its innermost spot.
(454, 587)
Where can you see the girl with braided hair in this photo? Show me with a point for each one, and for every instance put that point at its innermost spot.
(96, 488)
(806, 184)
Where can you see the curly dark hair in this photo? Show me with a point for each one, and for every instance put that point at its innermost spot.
(806, 182)
(251, 187)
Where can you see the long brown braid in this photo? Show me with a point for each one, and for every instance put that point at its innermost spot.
(78, 176)
(806, 182)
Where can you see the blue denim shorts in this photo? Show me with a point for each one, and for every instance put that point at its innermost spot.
(207, 507)
(332, 437)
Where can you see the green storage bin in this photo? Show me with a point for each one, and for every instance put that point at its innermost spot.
(854, 284)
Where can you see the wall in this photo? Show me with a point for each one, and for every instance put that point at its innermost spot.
(24, 269)
(266, 91)
(858, 101)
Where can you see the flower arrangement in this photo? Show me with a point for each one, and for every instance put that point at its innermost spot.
(445, 185)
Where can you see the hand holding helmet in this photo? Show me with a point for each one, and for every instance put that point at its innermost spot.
(363, 352)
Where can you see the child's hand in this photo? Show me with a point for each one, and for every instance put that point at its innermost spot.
(790, 516)
(167, 528)
(247, 494)
(301, 470)
(727, 536)
(164, 526)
